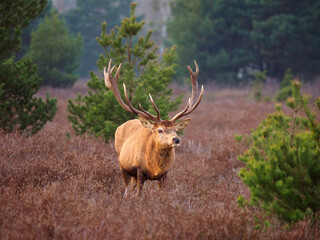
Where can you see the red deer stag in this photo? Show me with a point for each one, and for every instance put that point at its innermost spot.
(146, 147)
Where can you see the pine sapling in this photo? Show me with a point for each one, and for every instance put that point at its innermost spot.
(283, 162)
(98, 112)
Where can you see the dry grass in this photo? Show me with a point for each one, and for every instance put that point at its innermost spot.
(53, 187)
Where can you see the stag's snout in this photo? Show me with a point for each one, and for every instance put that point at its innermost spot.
(176, 140)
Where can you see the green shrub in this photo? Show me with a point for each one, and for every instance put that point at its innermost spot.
(98, 112)
(19, 110)
(26, 33)
(15, 16)
(259, 77)
(283, 163)
(56, 52)
(285, 86)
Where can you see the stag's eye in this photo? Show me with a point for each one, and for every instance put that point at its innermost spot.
(160, 131)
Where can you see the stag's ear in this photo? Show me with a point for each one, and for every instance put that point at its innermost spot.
(145, 122)
(182, 124)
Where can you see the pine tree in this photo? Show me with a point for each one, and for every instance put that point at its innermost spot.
(98, 112)
(26, 32)
(285, 86)
(283, 163)
(216, 34)
(56, 52)
(86, 19)
(19, 110)
(16, 15)
(258, 81)
(231, 38)
(286, 35)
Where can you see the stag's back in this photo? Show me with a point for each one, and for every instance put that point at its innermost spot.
(128, 131)
(131, 140)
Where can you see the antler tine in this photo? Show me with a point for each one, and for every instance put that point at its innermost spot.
(106, 78)
(128, 101)
(109, 80)
(117, 73)
(146, 112)
(155, 107)
(192, 103)
(180, 114)
(197, 103)
(112, 84)
(194, 82)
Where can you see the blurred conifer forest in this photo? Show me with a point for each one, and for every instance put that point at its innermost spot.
(230, 39)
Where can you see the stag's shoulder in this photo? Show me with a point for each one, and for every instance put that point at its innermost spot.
(128, 127)
(127, 131)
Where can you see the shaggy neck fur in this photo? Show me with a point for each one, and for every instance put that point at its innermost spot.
(159, 158)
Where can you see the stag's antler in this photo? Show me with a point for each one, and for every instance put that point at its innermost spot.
(112, 84)
(192, 103)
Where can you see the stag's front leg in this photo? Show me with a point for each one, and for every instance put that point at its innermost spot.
(141, 178)
(162, 180)
(128, 180)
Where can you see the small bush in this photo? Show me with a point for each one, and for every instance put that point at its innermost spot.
(259, 77)
(285, 86)
(19, 110)
(283, 163)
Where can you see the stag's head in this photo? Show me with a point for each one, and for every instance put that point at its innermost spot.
(164, 131)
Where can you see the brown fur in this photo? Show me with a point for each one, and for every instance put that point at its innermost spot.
(143, 152)
(167, 123)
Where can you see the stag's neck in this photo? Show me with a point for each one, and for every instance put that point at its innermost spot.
(160, 159)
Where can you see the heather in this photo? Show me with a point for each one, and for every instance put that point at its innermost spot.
(56, 185)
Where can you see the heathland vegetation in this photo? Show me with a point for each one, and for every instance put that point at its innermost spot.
(59, 185)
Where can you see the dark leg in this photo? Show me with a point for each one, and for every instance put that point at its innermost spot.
(133, 183)
(141, 178)
(125, 175)
(127, 180)
(162, 180)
